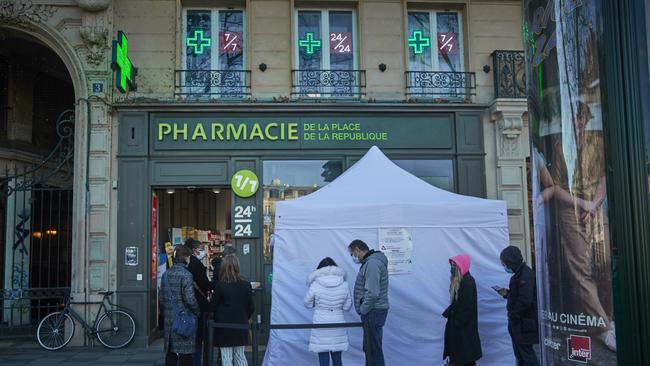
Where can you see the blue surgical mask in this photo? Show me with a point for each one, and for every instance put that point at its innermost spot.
(356, 260)
(508, 270)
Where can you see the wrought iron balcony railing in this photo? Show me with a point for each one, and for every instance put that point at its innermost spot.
(213, 84)
(509, 74)
(448, 86)
(328, 84)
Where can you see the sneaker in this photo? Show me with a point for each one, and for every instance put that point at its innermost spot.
(609, 338)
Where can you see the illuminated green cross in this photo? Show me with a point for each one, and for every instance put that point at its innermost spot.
(125, 71)
(418, 42)
(310, 43)
(198, 41)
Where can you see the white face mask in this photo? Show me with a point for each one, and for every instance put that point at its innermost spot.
(201, 255)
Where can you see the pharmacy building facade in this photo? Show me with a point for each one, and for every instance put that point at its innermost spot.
(129, 124)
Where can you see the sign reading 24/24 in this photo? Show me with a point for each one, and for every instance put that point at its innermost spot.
(244, 221)
(341, 42)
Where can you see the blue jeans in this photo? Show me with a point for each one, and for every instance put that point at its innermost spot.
(324, 358)
(373, 332)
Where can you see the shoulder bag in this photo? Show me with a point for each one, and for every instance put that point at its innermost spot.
(185, 322)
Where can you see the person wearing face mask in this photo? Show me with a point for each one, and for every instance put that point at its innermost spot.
(202, 287)
(177, 285)
(462, 342)
(522, 306)
(371, 298)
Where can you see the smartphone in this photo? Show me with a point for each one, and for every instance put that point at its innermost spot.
(496, 288)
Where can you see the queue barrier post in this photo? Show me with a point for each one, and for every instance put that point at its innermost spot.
(256, 327)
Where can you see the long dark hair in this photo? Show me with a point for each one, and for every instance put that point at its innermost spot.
(326, 262)
(229, 270)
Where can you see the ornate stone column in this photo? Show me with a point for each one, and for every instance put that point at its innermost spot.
(512, 149)
(95, 33)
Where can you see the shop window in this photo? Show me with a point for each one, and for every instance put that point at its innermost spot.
(435, 48)
(214, 45)
(326, 57)
(439, 173)
(287, 180)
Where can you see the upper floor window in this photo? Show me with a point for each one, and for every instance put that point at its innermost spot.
(435, 41)
(326, 57)
(436, 62)
(214, 54)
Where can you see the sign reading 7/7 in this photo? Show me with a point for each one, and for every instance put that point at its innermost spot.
(244, 183)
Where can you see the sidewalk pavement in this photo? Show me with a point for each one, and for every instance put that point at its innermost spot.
(25, 352)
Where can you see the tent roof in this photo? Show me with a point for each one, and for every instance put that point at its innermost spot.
(375, 191)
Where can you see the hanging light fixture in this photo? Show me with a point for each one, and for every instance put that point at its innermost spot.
(170, 190)
(216, 190)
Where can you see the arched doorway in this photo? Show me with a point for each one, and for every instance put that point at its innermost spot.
(37, 120)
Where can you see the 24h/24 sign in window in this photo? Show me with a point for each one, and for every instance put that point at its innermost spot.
(341, 42)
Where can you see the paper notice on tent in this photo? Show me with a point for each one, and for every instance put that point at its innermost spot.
(397, 245)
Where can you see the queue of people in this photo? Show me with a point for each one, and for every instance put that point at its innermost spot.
(186, 291)
(189, 298)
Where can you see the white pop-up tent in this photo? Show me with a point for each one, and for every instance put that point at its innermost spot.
(372, 196)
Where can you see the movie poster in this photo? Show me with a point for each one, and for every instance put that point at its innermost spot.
(573, 257)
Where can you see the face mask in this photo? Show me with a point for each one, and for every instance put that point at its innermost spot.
(508, 270)
(201, 255)
(355, 259)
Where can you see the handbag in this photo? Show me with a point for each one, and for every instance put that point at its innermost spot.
(185, 322)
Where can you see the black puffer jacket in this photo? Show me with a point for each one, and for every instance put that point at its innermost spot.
(522, 299)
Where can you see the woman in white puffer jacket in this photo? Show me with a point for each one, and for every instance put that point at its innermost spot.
(329, 295)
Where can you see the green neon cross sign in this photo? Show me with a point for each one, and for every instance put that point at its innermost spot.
(125, 71)
(198, 41)
(418, 42)
(309, 43)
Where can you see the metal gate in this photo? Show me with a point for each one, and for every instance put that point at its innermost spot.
(36, 234)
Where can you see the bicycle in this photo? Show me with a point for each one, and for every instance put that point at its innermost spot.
(114, 329)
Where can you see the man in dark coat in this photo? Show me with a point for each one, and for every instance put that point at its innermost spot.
(462, 341)
(522, 306)
(202, 286)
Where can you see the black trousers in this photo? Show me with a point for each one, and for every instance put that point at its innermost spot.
(181, 359)
(525, 354)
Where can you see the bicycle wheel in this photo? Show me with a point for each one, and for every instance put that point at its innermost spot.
(115, 329)
(55, 331)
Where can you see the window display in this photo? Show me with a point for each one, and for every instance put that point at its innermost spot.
(286, 180)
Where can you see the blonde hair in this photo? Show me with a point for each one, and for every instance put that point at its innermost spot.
(229, 271)
(454, 285)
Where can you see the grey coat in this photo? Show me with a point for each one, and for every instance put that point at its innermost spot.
(181, 284)
(371, 287)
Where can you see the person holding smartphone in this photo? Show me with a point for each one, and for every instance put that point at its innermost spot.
(522, 306)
